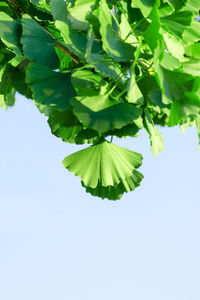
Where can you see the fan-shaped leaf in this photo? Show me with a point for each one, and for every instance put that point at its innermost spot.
(10, 31)
(112, 44)
(65, 125)
(104, 162)
(104, 114)
(50, 88)
(115, 192)
(38, 45)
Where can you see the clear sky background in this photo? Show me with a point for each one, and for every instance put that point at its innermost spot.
(59, 243)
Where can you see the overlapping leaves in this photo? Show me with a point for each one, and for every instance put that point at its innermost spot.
(101, 69)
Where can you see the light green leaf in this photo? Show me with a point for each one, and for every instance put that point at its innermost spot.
(178, 22)
(152, 33)
(112, 44)
(145, 6)
(198, 127)
(126, 32)
(155, 137)
(192, 34)
(79, 20)
(134, 94)
(193, 51)
(184, 107)
(174, 45)
(104, 163)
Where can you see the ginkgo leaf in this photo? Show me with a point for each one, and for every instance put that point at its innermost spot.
(103, 162)
(152, 33)
(184, 107)
(79, 20)
(106, 115)
(174, 84)
(198, 127)
(177, 23)
(193, 51)
(112, 44)
(86, 82)
(76, 41)
(191, 34)
(106, 67)
(50, 88)
(126, 32)
(145, 6)
(128, 130)
(155, 137)
(38, 45)
(65, 125)
(134, 94)
(115, 192)
(10, 31)
(178, 4)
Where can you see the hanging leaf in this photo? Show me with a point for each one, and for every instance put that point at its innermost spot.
(116, 192)
(155, 137)
(105, 165)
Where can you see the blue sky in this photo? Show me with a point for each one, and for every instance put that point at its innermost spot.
(57, 242)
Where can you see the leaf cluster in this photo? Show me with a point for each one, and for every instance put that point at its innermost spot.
(104, 68)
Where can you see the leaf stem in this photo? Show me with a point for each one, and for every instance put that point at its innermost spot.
(65, 50)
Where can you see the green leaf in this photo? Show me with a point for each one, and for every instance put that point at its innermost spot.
(38, 45)
(198, 127)
(112, 44)
(115, 192)
(145, 6)
(104, 165)
(86, 82)
(152, 33)
(102, 114)
(156, 138)
(79, 20)
(14, 77)
(193, 51)
(184, 107)
(128, 130)
(106, 67)
(50, 88)
(178, 22)
(178, 4)
(126, 32)
(134, 94)
(10, 31)
(74, 40)
(192, 34)
(174, 84)
(65, 125)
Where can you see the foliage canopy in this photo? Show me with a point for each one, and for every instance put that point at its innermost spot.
(104, 68)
